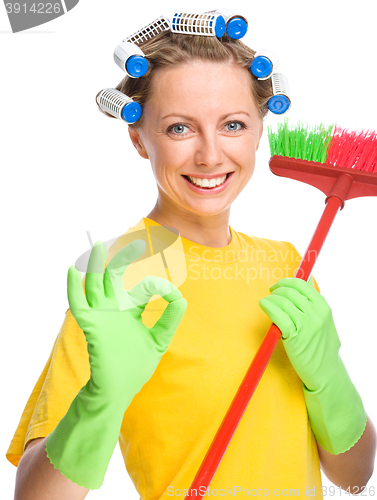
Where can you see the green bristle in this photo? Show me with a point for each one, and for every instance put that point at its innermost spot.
(301, 141)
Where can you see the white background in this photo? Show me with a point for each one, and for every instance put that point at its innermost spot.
(66, 169)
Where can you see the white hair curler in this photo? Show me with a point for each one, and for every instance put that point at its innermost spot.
(159, 25)
(187, 23)
(264, 63)
(128, 55)
(130, 58)
(280, 102)
(118, 105)
(236, 25)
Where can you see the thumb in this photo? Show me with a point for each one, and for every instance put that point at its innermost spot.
(165, 328)
(311, 281)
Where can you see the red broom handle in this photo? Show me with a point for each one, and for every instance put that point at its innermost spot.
(238, 406)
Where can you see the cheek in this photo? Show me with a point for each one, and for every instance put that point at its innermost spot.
(164, 160)
(169, 153)
(242, 151)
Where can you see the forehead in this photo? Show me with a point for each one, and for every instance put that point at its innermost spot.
(204, 82)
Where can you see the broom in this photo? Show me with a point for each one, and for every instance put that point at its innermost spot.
(343, 165)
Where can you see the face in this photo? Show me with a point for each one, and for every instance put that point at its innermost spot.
(202, 122)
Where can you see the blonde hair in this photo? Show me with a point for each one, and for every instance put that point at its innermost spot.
(169, 49)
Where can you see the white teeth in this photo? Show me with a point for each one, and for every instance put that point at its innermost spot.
(207, 182)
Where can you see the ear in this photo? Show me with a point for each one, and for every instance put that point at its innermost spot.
(136, 141)
(260, 135)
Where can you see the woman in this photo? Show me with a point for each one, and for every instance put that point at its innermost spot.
(166, 390)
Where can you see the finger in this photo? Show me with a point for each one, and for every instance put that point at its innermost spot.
(76, 298)
(94, 275)
(165, 328)
(301, 302)
(140, 294)
(274, 308)
(113, 277)
(300, 285)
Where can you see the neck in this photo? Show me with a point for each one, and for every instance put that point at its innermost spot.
(207, 230)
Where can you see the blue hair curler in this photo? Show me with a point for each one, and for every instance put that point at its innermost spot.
(280, 102)
(136, 66)
(128, 55)
(261, 67)
(131, 59)
(236, 25)
(119, 105)
(236, 28)
(264, 63)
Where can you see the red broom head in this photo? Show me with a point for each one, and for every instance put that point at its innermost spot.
(353, 150)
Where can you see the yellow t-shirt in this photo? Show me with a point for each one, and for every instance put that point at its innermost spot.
(171, 422)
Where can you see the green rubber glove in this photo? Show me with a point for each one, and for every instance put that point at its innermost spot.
(123, 355)
(309, 336)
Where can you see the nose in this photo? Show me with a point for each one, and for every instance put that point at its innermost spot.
(209, 150)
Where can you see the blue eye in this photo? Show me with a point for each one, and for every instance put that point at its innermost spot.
(177, 129)
(233, 126)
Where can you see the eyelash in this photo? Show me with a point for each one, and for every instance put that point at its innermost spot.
(170, 129)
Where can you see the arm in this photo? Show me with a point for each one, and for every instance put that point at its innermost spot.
(123, 354)
(345, 437)
(37, 478)
(351, 469)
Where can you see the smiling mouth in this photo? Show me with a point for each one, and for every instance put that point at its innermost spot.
(208, 187)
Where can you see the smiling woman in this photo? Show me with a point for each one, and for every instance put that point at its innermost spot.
(191, 154)
(160, 378)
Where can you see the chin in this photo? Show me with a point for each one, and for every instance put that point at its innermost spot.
(208, 211)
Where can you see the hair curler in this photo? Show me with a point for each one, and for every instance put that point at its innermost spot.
(187, 23)
(159, 25)
(119, 105)
(130, 58)
(264, 63)
(236, 25)
(280, 102)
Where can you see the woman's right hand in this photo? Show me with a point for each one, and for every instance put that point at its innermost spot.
(123, 352)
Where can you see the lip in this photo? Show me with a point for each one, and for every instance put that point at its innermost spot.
(212, 176)
(214, 190)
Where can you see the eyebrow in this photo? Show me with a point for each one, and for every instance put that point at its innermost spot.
(192, 118)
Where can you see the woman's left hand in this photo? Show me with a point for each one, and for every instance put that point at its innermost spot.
(308, 331)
